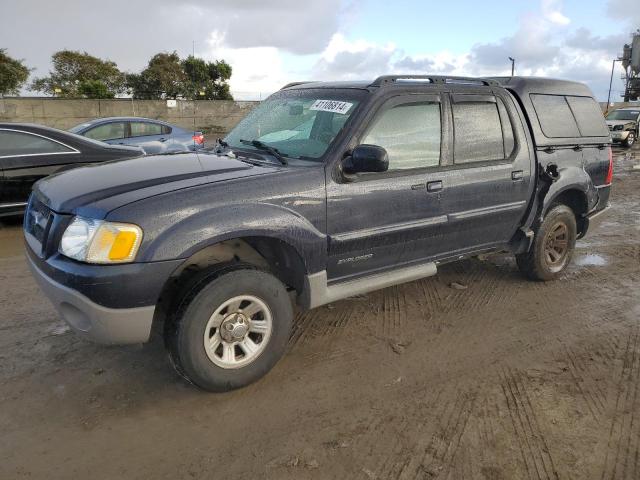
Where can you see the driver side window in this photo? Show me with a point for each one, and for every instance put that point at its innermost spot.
(410, 133)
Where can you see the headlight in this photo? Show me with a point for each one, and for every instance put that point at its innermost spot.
(99, 241)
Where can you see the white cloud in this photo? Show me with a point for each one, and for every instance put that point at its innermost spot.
(551, 11)
(257, 71)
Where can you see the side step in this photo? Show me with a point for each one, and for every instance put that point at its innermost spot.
(320, 293)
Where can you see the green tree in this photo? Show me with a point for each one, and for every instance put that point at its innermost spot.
(13, 74)
(163, 78)
(78, 74)
(94, 89)
(206, 80)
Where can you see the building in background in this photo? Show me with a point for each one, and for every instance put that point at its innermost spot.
(631, 64)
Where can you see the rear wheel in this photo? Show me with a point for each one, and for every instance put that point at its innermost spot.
(230, 329)
(631, 139)
(552, 247)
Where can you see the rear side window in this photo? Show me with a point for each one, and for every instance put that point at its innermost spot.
(477, 132)
(166, 129)
(18, 143)
(589, 116)
(556, 119)
(410, 133)
(141, 129)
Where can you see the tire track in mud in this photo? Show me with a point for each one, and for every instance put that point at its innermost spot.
(534, 449)
(623, 443)
(581, 379)
(435, 455)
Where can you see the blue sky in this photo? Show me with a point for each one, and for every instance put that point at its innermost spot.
(271, 42)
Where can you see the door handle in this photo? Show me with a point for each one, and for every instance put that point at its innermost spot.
(434, 186)
(163, 139)
(517, 175)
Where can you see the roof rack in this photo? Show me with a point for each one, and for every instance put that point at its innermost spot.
(293, 84)
(386, 80)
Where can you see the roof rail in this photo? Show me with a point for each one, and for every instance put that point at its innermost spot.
(386, 80)
(293, 84)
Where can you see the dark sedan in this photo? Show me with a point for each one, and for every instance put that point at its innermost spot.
(31, 152)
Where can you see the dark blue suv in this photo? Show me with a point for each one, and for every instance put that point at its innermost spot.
(324, 191)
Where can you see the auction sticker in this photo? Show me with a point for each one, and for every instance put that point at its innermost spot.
(334, 106)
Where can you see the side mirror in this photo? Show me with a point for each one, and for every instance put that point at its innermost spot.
(367, 158)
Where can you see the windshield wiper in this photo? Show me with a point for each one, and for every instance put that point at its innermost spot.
(263, 146)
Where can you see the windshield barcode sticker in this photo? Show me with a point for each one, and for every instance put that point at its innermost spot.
(331, 106)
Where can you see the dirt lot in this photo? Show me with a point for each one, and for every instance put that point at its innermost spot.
(507, 379)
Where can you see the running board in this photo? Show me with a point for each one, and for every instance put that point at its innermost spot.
(320, 293)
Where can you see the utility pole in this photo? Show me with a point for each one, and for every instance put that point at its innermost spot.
(613, 64)
(513, 65)
(193, 48)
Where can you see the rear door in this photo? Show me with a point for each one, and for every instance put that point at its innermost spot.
(151, 136)
(489, 181)
(379, 220)
(25, 158)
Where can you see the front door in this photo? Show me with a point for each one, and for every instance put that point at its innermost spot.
(374, 219)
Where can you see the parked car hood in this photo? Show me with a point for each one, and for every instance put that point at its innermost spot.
(613, 123)
(139, 177)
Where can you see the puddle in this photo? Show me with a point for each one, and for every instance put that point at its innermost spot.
(590, 260)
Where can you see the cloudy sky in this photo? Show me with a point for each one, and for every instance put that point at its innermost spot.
(272, 42)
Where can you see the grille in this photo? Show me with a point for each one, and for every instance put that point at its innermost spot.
(36, 219)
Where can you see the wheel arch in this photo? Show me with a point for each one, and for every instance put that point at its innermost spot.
(263, 252)
(574, 198)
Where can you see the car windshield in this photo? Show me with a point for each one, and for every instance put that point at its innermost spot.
(298, 124)
(623, 115)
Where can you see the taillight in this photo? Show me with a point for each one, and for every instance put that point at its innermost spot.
(610, 171)
(198, 138)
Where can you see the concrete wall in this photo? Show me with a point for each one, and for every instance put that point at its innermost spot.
(211, 116)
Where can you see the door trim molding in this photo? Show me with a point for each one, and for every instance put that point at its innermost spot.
(480, 212)
(390, 228)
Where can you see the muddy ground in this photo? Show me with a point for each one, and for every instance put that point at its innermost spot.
(507, 379)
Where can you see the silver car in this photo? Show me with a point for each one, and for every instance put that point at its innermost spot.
(623, 125)
(154, 136)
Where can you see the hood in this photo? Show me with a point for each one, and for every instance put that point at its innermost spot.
(133, 179)
(613, 123)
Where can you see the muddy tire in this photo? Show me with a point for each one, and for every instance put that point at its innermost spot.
(230, 329)
(631, 139)
(552, 247)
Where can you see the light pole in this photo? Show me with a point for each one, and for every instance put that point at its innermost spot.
(613, 64)
(513, 65)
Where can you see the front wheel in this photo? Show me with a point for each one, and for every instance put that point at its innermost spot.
(552, 247)
(631, 139)
(230, 329)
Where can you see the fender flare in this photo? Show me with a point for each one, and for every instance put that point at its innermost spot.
(208, 227)
(571, 178)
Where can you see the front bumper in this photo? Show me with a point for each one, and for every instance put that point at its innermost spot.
(92, 321)
(619, 136)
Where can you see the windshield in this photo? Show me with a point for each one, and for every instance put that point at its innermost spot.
(623, 115)
(298, 124)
